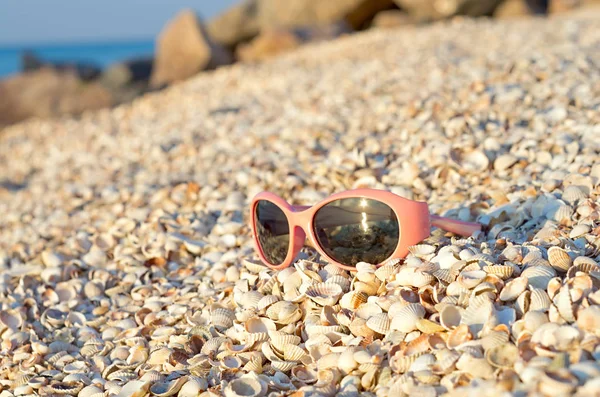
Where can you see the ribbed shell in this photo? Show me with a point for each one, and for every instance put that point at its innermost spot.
(405, 319)
(559, 259)
(379, 323)
(514, 288)
(539, 276)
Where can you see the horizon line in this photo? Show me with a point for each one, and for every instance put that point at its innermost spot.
(23, 45)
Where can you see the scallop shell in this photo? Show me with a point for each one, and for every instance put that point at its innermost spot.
(564, 304)
(502, 271)
(514, 288)
(134, 388)
(401, 363)
(193, 387)
(413, 277)
(65, 388)
(588, 319)
(450, 316)
(254, 266)
(358, 327)
(11, 319)
(283, 312)
(470, 160)
(245, 386)
(324, 294)
(445, 275)
(266, 301)
(502, 356)
(386, 271)
(572, 194)
(369, 288)
(539, 300)
(534, 319)
(559, 259)
(291, 352)
(164, 389)
(222, 318)
(421, 250)
(405, 319)
(340, 280)
(477, 314)
(258, 329)
(539, 276)
(353, 299)
(283, 366)
(368, 310)
(470, 279)
(280, 339)
(379, 323)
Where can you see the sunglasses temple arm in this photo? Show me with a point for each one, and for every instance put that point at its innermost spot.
(461, 228)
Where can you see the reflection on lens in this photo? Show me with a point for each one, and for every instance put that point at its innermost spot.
(273, 231)
(356, 230)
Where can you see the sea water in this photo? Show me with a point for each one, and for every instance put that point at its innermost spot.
(101, 54)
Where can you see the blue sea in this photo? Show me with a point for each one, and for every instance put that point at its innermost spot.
(102, 54)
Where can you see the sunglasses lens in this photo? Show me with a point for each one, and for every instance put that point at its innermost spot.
(353, 230)
(272, 230)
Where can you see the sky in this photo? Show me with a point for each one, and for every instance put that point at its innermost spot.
(76, 21)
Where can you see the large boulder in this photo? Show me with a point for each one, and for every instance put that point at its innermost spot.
(560, 6)
(431, 10)
(274, 41)
(519, 8)
(48, 93)
(293, 13)
(235, 25)
(184, 48)
(389, 19)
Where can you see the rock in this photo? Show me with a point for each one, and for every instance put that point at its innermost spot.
(48, 93)
(269, 43)
(560, 6)
(517, 8)
(274, 41)
(85, 71)
(430, 10)
(183, 49)
(391, 19)
(128, 72)
(293, 13)
(237, 24)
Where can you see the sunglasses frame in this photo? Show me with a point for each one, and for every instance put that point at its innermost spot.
(413, 217)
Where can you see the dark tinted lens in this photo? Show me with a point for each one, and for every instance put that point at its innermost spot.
(356, 230)
(273, 231)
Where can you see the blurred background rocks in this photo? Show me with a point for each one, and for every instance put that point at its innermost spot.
(251, 31)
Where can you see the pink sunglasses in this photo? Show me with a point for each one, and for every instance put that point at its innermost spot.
(361, 225)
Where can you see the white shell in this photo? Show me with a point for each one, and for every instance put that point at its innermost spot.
(405, 319)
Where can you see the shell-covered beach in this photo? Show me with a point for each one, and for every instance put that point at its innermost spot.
(126, 260)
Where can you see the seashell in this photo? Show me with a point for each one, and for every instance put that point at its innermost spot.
(494, 338)
(89, 391)
(557, 383)
(222, 318)
(254, 365)
(283, 366)
(522, 303)
(559, 259)
(65, 388)
(502, 356)
(469, 160)
(340, 280)
(358, 327)
(291, 352)
(470, 279)
(280, 339)
(379, 323)
(450, 316)
(266, 301)
(231, 362)
(369, 288)
(579, 231)
(564, 304)
(250, 299)
(539, 276)
(93, 290)
(368, 310)
(283, 312)
(254, 266)
(421, 250)
(428, 326)
(212, 345)
(353, 299)
(445, 275)
(11, 319)
(193, 387)
(405, 319)
(386, 272)
(534, 319)
(164, 389)
(539, 300)
(324, 294)
(413, 277)
(134, 388)
(502, 271)
(476, 315)
(258, 328)
(422, 363)
(514, 288)
(588, 319)
(572, 194)
(445, 361)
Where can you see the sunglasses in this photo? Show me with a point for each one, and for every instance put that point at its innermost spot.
(361, 225)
